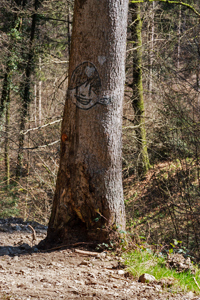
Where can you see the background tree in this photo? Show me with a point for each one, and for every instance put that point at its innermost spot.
(12, 29)
(137, 88)
(25, 87)
(40, 149)
(171, 198)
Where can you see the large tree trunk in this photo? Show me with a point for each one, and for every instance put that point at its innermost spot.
(88, 202)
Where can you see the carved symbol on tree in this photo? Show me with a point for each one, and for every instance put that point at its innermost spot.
(85, 87)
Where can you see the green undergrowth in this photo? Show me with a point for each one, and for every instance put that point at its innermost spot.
(140, 261)
(9, 201)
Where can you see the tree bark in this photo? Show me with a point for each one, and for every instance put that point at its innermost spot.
(88, 202)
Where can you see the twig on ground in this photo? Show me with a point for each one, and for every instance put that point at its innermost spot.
(68, 246)
(33, 234)
(89, 253)
(196, 283)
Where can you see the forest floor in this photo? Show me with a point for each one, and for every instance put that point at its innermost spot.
(27, 273)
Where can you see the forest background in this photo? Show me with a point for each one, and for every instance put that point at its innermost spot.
(161, 120)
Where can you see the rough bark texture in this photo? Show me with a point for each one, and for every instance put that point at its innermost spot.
(89, 193)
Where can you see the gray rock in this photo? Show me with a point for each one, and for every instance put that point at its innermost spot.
(146, 278)
(16, 258)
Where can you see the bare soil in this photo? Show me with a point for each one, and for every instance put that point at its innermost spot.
(27, 273)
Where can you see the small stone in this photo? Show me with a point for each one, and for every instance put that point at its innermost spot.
(52, 263)
(15, 258)
(190, 295)
(41, 267)
(84, 263)
(157, 287)
(121, 272)
(146, 278)
(103, 254)
(121, 259)
(90, 274)
(79, 282)
(21, 272)
(1, 267)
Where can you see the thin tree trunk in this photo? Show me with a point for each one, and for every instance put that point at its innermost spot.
(7, 158)
(35, 103)
(5, 107)
(5, 96)
(69, 29)
(198, 80)
(137, 87)
(151, 52)
(88, 200)
(26, 92)
(179, 38)
(5, 91)
(40, 94)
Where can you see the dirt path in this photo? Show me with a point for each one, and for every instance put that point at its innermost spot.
(26, 273)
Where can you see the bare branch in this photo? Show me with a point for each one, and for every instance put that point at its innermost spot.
(39, 127)
(170, 2)
(43, 146)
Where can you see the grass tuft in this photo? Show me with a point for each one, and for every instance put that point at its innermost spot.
(140, 261)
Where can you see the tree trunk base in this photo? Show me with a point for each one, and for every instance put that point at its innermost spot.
(69, 236)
